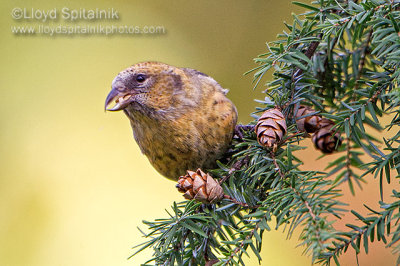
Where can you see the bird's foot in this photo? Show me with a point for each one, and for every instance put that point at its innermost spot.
(239, 129)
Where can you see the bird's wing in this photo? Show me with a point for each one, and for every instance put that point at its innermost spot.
(204, 78)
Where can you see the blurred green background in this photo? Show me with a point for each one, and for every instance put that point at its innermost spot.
(74, 185)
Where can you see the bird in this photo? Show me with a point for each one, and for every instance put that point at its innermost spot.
(180, 117)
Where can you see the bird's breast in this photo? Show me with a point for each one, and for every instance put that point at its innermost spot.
(194, 139)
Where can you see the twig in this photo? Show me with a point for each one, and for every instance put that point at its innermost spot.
(245, 205)
(206, 258)
(345, 244)
(375, 96)
(370, 100)
(312, 48)
(296, 73)
(235, 167)
(211, 262)
(306, 203)
(324, 81)
(277, 166)
(348, 162)
(240, 247)
(364, 54)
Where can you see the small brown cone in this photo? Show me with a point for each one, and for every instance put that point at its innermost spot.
(325, 139)
(200, 186)
(271, 127)
(308, 124)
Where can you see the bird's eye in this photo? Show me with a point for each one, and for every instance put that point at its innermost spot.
(140, 78)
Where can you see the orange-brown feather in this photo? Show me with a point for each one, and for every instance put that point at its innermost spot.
(185, 122)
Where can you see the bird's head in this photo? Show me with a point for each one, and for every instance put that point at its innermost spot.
(146, 86)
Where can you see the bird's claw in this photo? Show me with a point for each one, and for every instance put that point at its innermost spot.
(239, 130)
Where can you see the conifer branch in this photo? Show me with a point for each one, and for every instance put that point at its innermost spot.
(312, 65)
